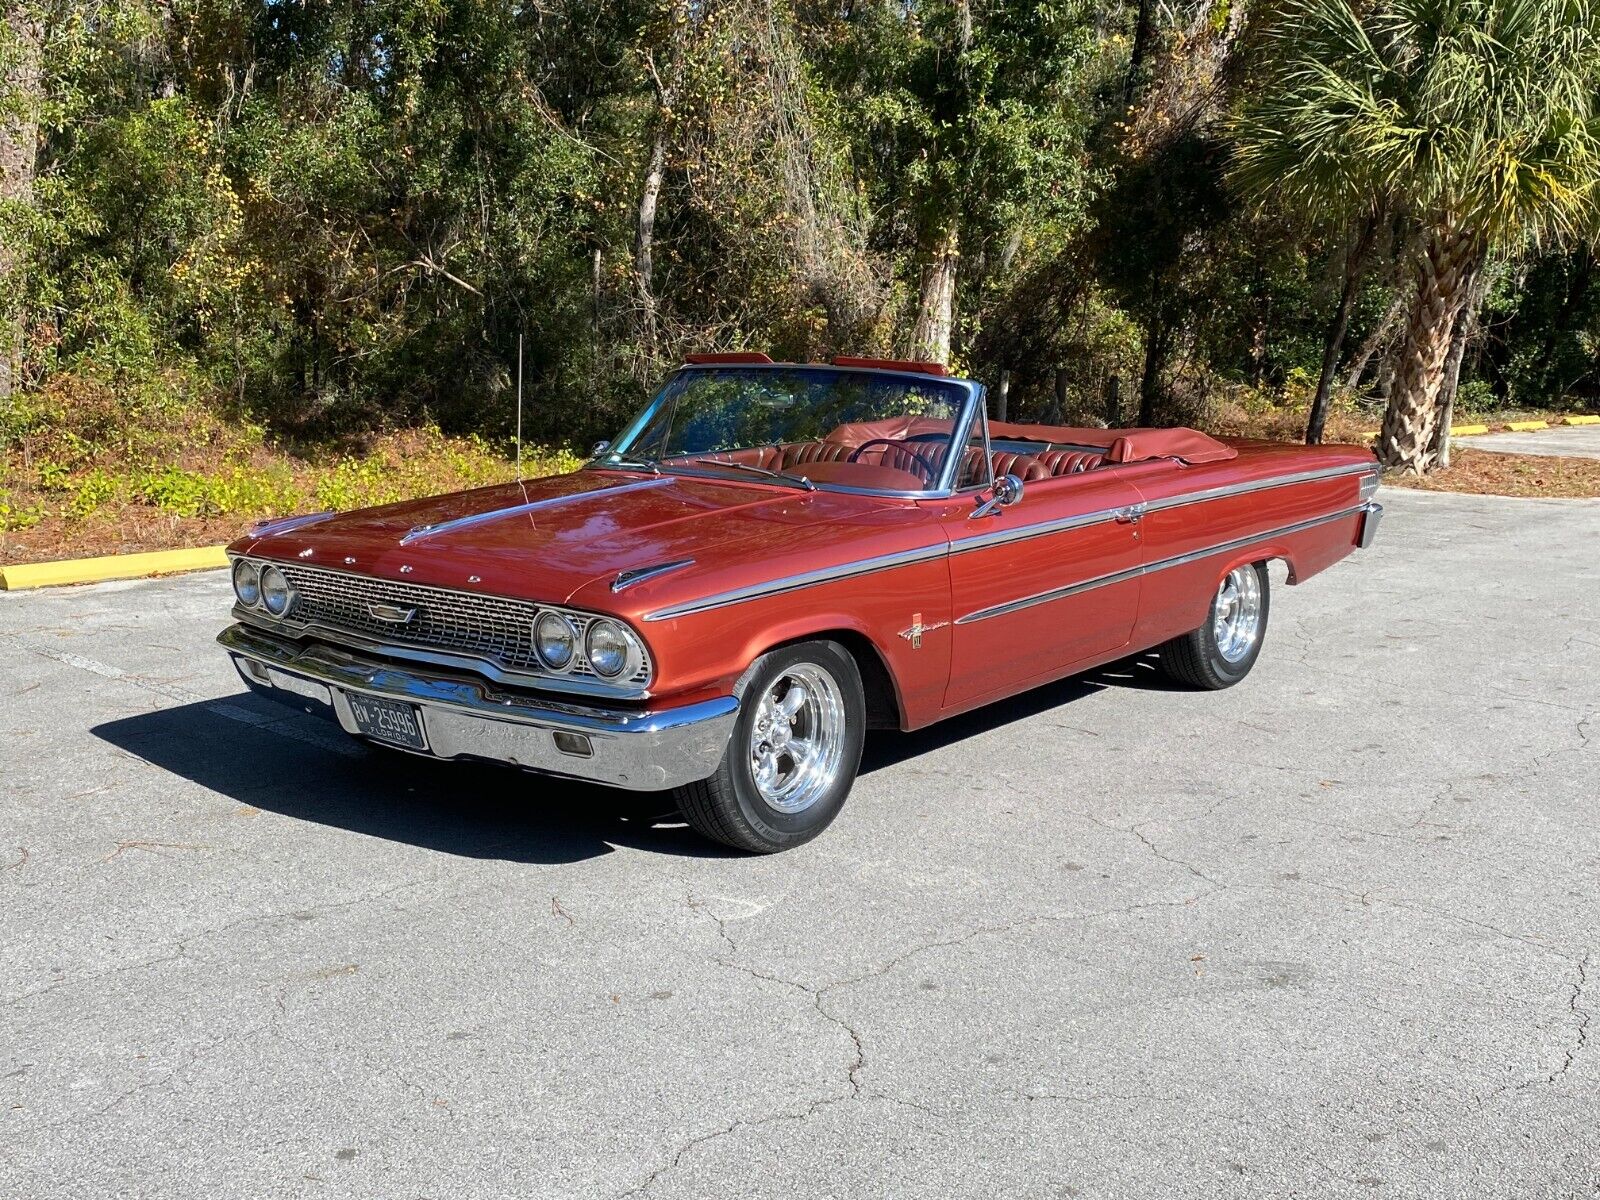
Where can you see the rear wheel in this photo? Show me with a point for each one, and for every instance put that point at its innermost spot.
(1221, 652)
(793, 754)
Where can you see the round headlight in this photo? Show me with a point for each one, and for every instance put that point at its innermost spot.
(247, 582)
(555, 639)
(610, 648)
(275, 593)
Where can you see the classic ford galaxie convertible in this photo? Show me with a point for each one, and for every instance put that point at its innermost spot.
(770, 560)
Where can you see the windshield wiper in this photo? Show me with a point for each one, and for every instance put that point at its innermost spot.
(798, 480)
(628, 464)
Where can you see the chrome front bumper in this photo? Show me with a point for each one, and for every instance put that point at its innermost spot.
(465, 717)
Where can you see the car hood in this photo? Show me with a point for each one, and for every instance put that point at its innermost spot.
(548, 539)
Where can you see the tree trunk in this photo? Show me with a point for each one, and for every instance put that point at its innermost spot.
(1466, 329)
(19, 151)
(1002, 396)
(1441, 288)
(930, 336)
(644, 237)
(1380, 334)
(1354, 260)
(1144, 30)
(1155, 359)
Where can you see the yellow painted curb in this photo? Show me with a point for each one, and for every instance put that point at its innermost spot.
(1467, 430)
(1585, 420)
(1527, 426)
(113, 566)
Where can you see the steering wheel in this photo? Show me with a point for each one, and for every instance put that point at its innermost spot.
(928, 470)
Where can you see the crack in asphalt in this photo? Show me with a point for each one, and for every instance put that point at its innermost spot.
(818, 994)
(1582, 1014)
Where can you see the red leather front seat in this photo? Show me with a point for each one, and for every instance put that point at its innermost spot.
(1005, 462)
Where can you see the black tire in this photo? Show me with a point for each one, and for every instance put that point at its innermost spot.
(1196, 659)
(729, 807)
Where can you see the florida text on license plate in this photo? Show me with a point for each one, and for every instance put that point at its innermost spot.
(388, 721)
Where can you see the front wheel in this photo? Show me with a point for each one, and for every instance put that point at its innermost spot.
(1221, 652)
(793, 754)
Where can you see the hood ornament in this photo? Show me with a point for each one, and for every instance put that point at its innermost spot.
(626, 579)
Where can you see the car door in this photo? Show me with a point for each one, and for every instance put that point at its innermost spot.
(1050, 581)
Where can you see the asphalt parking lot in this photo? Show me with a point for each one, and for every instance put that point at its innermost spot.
(1579, 441)
(1330, 933)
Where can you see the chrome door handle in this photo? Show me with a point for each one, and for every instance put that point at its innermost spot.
(1131, 515)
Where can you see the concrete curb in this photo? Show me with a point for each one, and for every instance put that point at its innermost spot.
(112, 566)
(1513, 426)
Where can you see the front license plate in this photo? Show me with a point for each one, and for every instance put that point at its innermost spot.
(388, 721)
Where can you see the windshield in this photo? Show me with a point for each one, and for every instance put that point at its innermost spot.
(805, 427)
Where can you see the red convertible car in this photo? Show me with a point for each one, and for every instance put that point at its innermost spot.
(770, 560)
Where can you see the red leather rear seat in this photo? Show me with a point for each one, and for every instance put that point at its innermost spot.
(1070, 462)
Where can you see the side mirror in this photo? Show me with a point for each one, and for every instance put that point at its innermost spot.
(1007, 490)
(599, 449)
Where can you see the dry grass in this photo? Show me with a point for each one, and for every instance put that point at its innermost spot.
(1485, 473)
(1478, 472)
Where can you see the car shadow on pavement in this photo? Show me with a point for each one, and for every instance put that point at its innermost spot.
(267, 756)
(305, 769)
(1143, 671)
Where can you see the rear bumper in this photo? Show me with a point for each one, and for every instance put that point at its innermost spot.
(465, 717)
(1370, 516)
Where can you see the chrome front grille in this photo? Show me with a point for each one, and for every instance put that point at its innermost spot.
(492, 628)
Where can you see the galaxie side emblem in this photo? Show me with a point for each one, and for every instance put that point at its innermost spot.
(917, 629)
(392, 613)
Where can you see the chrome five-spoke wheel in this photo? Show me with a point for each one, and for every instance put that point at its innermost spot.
(1236, 614)
(794, 751)
(1221, 652)
(797, 738)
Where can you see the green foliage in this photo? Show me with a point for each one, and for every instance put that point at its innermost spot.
(302, 227)
(1475, 113)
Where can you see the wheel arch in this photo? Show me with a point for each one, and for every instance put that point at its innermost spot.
(879, 687)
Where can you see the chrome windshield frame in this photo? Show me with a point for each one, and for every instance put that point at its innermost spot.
(972, 396)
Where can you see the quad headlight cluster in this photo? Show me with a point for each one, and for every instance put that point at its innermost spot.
(563, 641)
(612, 650)
(262, 586)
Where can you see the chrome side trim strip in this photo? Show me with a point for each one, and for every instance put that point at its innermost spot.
(626, 579)
(1000, 537)
(792, 583)
(428, 531)
(1260, 485)
(1177, 560)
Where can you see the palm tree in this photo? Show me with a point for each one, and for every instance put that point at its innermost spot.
(1472, 118)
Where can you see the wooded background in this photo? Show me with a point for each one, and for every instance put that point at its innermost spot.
(331, 216)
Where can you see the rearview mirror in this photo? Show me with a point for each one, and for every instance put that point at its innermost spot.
(599, 449)
(1006, 491)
